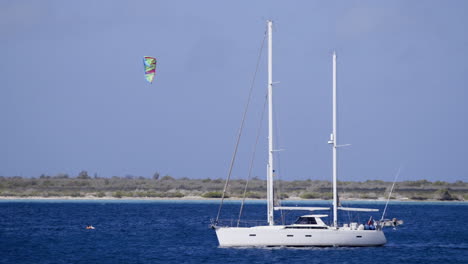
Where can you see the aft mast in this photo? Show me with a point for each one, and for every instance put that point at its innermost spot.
(270, 168)
(333, 140)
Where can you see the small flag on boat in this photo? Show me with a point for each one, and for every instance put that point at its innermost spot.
(150, 68)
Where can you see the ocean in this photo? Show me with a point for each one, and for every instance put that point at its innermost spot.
(129, 231)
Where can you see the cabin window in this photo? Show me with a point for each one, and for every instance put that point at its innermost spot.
(308, 235)
(290, 235)
(306, 221)
(252, 235)
(358, 236)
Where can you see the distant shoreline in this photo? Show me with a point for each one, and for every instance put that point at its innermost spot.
(84, 187)
(199, 198)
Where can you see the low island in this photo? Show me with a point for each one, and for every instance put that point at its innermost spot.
(84, 186)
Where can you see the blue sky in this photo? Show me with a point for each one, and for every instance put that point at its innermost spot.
(73, 96)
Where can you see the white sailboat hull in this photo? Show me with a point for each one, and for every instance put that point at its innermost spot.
(280, 236)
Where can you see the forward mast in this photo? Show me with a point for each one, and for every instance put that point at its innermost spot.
(270, 168)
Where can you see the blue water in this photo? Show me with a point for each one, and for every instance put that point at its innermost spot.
(178, 232)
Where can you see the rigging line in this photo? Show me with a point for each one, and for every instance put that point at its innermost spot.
(252, 161)
(390, 194)
(240, 129)
(279, 185)
(341, 189)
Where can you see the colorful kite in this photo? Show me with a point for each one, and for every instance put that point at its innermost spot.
(150, 68)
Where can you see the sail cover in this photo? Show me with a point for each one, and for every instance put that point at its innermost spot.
(150, 68)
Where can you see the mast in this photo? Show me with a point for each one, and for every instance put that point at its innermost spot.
(333, 140)
(270, 168)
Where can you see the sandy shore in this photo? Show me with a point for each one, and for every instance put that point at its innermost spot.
(192, 198)
(105, 198)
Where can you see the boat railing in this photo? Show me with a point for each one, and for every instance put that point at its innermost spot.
(237, 223)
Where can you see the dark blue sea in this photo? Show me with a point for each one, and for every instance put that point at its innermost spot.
(34, 231)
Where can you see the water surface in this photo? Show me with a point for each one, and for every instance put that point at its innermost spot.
(53, 231)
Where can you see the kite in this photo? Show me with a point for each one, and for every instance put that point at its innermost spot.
(150, 68)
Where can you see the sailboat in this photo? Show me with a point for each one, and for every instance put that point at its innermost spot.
(309, 229)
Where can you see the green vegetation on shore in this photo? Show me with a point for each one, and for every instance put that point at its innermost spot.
(139, 187)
